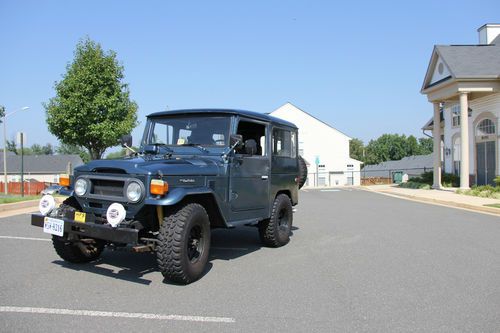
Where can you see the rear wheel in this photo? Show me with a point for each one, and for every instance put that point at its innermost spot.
(275, 231)
(184, 244)
(73, 248)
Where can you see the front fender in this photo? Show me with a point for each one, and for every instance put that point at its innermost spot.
(176, 195)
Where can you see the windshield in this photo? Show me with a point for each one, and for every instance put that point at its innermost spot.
(206, 131)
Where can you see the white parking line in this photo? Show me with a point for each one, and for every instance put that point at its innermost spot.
(90, 313)
(330, 190)
(26, 238)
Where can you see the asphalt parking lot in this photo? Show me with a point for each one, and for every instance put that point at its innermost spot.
(357, 261)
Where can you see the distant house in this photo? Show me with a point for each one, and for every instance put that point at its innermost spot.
(399, 171)
(325, 149)
(42, 168)
(463, 83)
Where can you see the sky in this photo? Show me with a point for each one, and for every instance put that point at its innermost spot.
(357, 65)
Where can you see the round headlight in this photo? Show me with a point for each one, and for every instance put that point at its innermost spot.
(134, 192)
(81, 187)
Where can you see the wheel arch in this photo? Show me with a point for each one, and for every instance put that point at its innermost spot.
(208, 201)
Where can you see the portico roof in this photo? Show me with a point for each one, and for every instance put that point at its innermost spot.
(463, 62)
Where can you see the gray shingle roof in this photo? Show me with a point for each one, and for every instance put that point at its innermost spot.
(471, 61)
(40, 164)
(407, 165)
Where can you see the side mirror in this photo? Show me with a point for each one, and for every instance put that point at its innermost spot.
(235, 141)
(126, 140)
(250, 147)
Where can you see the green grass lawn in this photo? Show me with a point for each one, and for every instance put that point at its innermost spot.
(11, 199)
(493, 205)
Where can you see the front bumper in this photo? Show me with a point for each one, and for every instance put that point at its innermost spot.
(93, 230)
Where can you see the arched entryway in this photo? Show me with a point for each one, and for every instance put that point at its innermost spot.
(486, 151)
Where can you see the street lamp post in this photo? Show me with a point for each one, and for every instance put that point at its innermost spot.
(5, 146)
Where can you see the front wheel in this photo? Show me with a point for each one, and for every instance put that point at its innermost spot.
(184, 243)
(79, 250)
(275, 231)
(76, 250)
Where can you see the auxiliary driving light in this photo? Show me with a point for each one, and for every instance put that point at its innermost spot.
(46, 204)
(115, 214)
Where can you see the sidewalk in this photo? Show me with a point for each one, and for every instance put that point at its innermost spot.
(23, 207)
(446, 197)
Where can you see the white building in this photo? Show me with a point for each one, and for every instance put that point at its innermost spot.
(324, 148)
(463, 83)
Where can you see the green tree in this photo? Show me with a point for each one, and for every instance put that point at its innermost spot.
(356, 149)
(412, 146)
(2, 113)
(92, 106)
(36, 149)
(426, 146)
(65, 149)
(392, 147)
(11, 146)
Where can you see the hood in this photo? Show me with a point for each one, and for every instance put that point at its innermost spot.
(140, 165)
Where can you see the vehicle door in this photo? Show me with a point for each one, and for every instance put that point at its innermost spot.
(249, 190)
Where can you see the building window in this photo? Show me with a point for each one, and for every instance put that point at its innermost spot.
(455, 115)
(486, 127)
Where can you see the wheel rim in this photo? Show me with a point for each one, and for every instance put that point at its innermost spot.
(283, 220)
(195, 243)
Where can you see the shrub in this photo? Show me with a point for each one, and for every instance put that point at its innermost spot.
(497, 181)
(484, 191)
(447, 179)
(415, 185)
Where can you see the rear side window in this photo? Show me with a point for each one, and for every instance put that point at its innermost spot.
(284, 143)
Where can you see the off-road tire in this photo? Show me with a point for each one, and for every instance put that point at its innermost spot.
(75, 251)
(275, 231)
(184, 244)
(302, 172)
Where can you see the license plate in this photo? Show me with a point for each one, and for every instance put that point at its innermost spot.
(53, 226)
(80, 217)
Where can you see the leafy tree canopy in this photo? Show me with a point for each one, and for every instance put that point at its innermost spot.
(390, 147)
(92, 106)
(356, 149)
(65, 149)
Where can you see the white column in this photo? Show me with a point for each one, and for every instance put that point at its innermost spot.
(464, 141)
(436, 133)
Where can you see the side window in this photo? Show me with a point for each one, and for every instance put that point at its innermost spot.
(253, 131)
(284, 143)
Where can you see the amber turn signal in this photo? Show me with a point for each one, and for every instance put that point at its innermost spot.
(158, 187)
(64, 180)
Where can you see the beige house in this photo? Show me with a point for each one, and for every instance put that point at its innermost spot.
(463, 84)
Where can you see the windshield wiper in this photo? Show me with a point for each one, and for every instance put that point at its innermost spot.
(197, 145)
(156, 150)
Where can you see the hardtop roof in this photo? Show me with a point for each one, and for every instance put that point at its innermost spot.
(244, 113)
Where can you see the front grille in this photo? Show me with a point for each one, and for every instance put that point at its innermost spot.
(107, 187)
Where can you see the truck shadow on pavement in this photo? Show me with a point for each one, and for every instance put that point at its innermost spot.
(226, 244)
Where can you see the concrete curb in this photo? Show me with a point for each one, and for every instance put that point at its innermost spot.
(482, 209)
